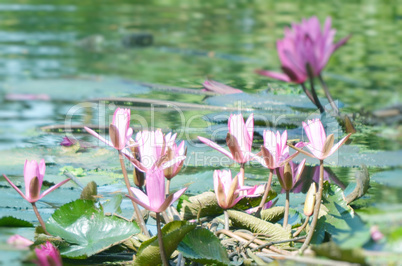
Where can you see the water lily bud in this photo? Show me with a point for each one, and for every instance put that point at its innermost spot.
(310, 200)
(287, 177)
(138, 176)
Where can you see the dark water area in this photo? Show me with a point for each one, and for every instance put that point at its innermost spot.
(61, 55)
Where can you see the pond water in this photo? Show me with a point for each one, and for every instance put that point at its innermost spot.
(65, 55)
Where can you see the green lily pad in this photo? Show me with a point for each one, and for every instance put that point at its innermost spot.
(113, 205)
(87, 229)
(9, 221)
(173, 233)
(347, 230)
(202, 246)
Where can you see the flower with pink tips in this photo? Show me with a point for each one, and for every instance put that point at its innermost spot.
(219, 88)
(239, 139)
(289, 174)
(119, 130)
(305, 44)
(226, 189)
(48, 255)
(33, 179)
(275, 151)
(156, 150)
(321, 146)
(19, 242)
(155, 199)
(172, 152)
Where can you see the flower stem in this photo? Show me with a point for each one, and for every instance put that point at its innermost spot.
(298, 231)
(140, 218)
(167, 187)
(311, 79)
(160, 240)
(328, 94)
(42, 223)
(307, 92)
(225, 212)
(316, 209)
(266, 192)
(286, 216)
(241, 180)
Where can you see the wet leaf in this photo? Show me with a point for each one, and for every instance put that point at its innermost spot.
(275, 232)
(87, 229)
(205, 204)
(173, 233)
(346, 228)
(9, 221)
(202, 246)
(89, 191)
(113, 205)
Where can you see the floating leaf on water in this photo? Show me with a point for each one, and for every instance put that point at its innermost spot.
(113, 206)
(84, 226)
(10, 221)
(173, 233)
(346, 228)
(202, 246)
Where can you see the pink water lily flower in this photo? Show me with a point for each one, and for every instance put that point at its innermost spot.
(173, 151)
(275, 151)
(157, 150)
(320, 145)
(48, 255)
(239, 139)
(305, 44)
(226, 189)
(119, 130)
(33, 178)
(219, 88)
(19, 242)
(289, 174)
(155, 199)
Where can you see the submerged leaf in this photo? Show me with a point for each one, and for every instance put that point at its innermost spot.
(202, 246)
(332, 251)
(87, 229)
(173, 233)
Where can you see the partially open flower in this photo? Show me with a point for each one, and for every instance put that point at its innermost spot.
(119, 130)
(289, 174)
(155, 199)
(304, 46)
(19, 242)
(320, 145)
(173, 151)
(151, 151)
(275, 151)
(239, 139)
(48, 255)
(226, 189)
(33, 177)
(219, 88)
